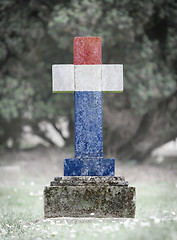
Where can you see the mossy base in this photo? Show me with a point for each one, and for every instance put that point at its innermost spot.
(102, 197)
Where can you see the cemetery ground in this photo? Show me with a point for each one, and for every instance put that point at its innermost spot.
(24, 174)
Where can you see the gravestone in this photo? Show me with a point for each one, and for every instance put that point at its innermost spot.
(89, 187)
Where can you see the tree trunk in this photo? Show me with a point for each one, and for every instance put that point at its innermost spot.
(135, 137)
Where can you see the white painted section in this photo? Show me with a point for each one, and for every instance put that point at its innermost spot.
(104, 77)
(112, 77)
(87, 77)
(62, 77)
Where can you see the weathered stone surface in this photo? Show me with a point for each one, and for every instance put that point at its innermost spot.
(89, 167)
(63, 78)
(87, 77)
(73, 220)
(88, 125)
(87, 50)
(103, 77)
(112, 77)
(87, 180)
(89, 197)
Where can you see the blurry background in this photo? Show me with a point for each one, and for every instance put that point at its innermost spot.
(37, 127)
(140, 34)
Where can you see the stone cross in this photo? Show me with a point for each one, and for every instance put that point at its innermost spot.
(88, 187)
(88, 78)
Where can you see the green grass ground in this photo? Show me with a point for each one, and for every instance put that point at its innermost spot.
(21, 213)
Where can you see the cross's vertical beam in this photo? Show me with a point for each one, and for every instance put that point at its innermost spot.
(88, 159)
(88, 104)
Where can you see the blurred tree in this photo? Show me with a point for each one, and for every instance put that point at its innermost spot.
(141, 35)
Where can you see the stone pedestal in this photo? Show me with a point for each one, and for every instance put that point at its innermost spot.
(87, 196)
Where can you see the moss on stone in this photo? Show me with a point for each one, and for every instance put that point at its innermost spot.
(103, 200)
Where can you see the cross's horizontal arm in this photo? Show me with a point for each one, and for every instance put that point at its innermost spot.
(104, 77)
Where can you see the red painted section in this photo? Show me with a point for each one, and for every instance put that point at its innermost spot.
(87, 50)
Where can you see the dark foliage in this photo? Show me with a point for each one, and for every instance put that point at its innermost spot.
(140, 34)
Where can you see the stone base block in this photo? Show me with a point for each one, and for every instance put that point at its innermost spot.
(106, 197)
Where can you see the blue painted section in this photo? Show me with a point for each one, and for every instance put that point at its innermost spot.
(89, 167)
(88, 159)
(88, 124)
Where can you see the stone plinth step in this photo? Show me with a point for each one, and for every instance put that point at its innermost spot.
(73, 220)
(107, 197)
(89, 180)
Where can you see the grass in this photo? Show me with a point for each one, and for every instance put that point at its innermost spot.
(21, 216)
